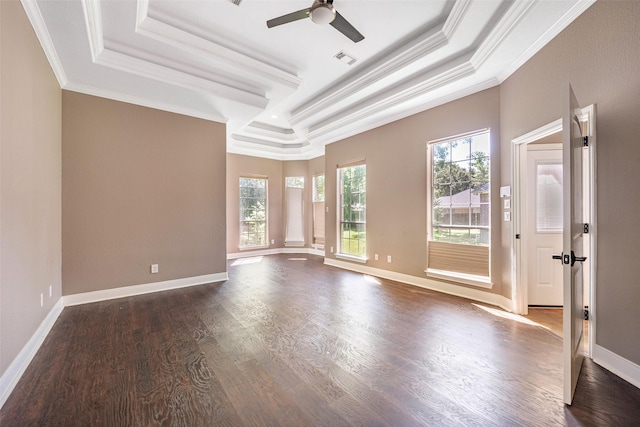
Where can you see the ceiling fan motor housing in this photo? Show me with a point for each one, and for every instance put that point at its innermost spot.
(322, 13)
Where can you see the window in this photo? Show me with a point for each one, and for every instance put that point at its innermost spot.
(294, 230)
(352, 199)
(253, 212)
(460, 205)
(318, 210)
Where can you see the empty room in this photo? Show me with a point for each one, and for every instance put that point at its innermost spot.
(310, 212)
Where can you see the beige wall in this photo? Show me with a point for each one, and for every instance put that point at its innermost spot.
(30, 122)
(396, 158)
(139, 186)
(599, 54)
(239, 165)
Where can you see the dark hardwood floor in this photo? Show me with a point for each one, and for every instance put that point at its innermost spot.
(297, 343)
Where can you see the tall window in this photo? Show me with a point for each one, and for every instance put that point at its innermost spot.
(294, 229)
(318, 210)
(352, 199)
(460, 205)
(253, 212)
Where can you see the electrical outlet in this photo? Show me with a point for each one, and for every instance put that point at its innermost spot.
(154, 268)
(273, 242)
(331, 249)
(50, 291)
(375, 257)
(41, 300)
(388, 258)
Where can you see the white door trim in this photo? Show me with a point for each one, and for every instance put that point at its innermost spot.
(518, 288)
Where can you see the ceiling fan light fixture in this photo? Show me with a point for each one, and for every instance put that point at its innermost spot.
(322, 13)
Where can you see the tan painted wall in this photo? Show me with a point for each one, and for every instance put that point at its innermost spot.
(239, 165)
(396, 156)
(30, 123)
(139, 186)
(599, 54)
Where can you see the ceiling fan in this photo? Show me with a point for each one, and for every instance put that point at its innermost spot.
(321, 12)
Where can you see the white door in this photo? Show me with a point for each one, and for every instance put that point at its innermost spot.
(543, 224)
(572, 256)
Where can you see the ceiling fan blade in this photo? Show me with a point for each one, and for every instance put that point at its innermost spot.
(347, 29)
(290, 17)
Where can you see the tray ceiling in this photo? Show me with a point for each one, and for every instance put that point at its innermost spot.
(286, 92)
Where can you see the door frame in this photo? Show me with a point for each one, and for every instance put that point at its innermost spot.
(519, 295)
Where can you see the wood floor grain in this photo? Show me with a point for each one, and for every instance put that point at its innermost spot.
(290, 342)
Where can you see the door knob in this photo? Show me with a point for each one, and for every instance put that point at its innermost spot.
(562, 257)
(575, 258)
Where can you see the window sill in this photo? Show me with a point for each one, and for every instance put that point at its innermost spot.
(253, 248)
(467, 279)
(294, 244)
(354, 258)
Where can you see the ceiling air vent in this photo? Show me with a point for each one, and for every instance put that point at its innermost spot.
(345, 57)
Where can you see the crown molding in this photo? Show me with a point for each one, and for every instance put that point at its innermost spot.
(93, 23)
(177, 35)
(405, 91)
(166, 74)
(458, 11)
(268, 143)
(576, 10)
(505, 26)
(42, 33)
(310, 151)
(145, 102)
(396, 59)
(268, 131)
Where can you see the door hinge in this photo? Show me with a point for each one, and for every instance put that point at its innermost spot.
(585, 229)
(585, 141)
(518, 236)
(586, 312)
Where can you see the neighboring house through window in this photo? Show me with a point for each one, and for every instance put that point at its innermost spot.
(253, 212)
(352, 201)
(459, 224)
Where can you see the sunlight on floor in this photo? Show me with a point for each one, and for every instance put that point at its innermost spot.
(297, 259)
(248, 260)
(372, 279)
(509, 316)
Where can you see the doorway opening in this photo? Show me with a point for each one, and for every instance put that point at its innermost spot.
(536, 232)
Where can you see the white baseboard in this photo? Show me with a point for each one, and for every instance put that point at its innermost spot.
(625, 369)
(275, 251)
(434, 285)
(127, 291)
(12, 375)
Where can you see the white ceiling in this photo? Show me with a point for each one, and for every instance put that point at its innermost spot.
(281, 91)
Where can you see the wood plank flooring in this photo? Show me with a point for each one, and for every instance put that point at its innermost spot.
(296, 343)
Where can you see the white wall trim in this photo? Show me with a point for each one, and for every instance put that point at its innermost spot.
(42, 33)
(275, 251)
(13, 374)
(128, 291)
(447, 288)
(625, 369)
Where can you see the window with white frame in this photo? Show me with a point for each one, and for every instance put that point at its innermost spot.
(352, 200)
(294, 200)
(460, 206)
(318, 210)
(253, 212)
